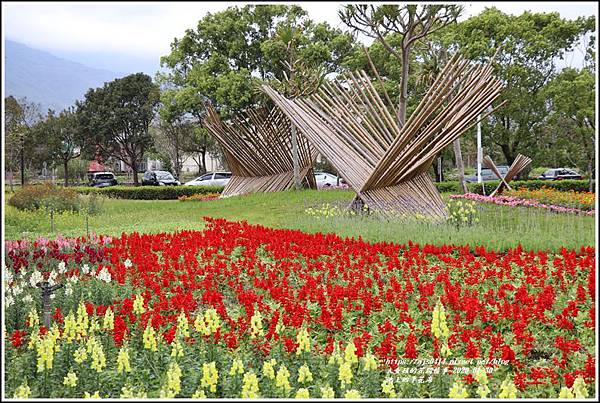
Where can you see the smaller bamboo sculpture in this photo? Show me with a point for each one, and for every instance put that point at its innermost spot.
(257, 147)
(517, 166)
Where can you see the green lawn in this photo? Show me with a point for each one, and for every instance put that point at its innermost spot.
(499, 227)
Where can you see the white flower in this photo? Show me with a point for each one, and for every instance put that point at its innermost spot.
(53, 275)
(128, 263)
(27, 299)
(35, 278)
(73, 279)
(68, 290)
(62, 267)
(8, 276)
(8, 300)
(104, 275)
(85, 269)
(17, 290)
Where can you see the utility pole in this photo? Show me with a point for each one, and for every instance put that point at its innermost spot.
(479, 150)
(22, 160)
(295, 157)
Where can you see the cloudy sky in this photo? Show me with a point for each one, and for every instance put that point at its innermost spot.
(127, 37)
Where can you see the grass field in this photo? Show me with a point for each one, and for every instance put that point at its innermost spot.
(499, 227)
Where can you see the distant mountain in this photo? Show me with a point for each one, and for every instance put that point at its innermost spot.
(46, 79)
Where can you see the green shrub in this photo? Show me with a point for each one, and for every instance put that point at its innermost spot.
(447, 187)
(149, 192)
(46, 196)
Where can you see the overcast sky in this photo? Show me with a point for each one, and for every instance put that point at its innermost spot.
(132, 36)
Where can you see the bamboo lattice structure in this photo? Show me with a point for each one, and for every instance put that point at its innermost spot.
(517, 166)
(387, 165)
(258, 149)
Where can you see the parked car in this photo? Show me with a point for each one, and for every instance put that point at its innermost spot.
(159, 178)
(101, 179)
(327, 180)
(488, 175)
(211, 179)
(559, 174)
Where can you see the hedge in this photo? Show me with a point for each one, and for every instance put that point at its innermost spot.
(149, 192)
(562, 185)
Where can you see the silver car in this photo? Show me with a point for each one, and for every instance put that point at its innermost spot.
(211, 179)
(327, 180)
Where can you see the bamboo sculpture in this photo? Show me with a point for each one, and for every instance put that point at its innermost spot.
(517, 166)
(387, 165)
(258, 150)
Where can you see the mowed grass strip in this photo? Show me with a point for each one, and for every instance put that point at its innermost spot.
(499, 228)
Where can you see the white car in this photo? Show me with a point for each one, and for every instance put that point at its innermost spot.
(326, 180)
(211, 179)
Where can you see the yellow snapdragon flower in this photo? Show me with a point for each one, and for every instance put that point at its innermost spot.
(108, 323)
(177, 349)
(579, 389)
(173, 384)
(352, 394)
(183, 328)
(22, 392)
(387, 387)
(70, 380)
(45, 353)
(304, 374)
(439, 328)
(96, 395)
(282, 379)
(565, 393)
(123, 364)
(303, 340)
(250, 385)
(138, 305)
(210, 376)
(350, 353)
(458, 391)
(508, 390)
(302, 393)
(370, 362)
(327, 392)
(268, 368)
(149, 338)
(345, 373)
(237, 367)
(256, 326)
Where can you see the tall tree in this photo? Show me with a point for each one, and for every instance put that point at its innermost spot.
(19, 117)
(530, 45)
(116, 119)
(62, 137)
(407, 24)
(572, 96)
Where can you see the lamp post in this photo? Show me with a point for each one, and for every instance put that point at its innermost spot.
(479, 150)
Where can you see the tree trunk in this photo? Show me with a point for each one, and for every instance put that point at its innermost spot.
(297, 184)
(403, 87)
(133, 166)
(509, 153)
(66, 166)
(22, 162)
(460, 166)
(203, 160)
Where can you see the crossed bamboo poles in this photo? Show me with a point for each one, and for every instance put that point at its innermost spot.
(515, 168)
(257, 147)
(384, 163)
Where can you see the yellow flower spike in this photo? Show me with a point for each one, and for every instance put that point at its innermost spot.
(108, 323)
(22, 392)
(282, 379)
(579, 388)
(370, 362)
(213, 322)
(96, 395)
(268, 368)
(304, 374)
(173, 384)
(303, 340)
(199, 394)
(149, 338)
(33, 318)
(250, 386)
(327, 392)
(565, 393)
(80, 355)
(387, 387)
(350, 353)
(97, 353)
(237, 367)
(200, 326)
(210, 376)
(123, 364)
(345, 373)
(138, 305)
(302, 393)
(256, 326)
(70, 380)
(508, 390)
(127, 392)
(177, 349)
(70, 328)
(352, 394)
(481, 377)
(183, 328)
(45, 353)
(458, 391)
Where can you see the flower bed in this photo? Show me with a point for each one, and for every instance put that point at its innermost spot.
(580, 200)
(200, 197)
(243, 310)
(515, 201)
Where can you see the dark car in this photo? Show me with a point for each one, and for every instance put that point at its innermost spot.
(488, 175)
(159, 178)
(559, 174)
(102, 179)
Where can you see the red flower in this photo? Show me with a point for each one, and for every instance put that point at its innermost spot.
(410, 349)
(17, 338)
